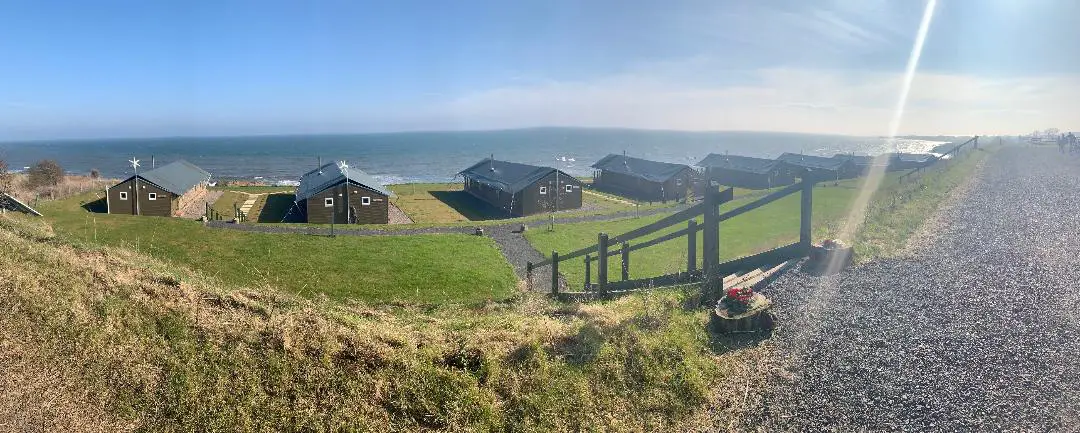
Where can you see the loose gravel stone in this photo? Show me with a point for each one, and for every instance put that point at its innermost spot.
(980, 331)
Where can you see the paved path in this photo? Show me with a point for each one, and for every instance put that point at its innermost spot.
(979, 331)
(517, 250)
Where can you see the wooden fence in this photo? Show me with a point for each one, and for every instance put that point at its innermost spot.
(712, 270)
(211, 214)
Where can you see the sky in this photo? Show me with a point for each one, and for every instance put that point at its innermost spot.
(136, 68)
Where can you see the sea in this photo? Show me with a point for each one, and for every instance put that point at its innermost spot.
(431, 157)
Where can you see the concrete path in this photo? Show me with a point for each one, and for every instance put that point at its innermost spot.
(978, 331)
(246, 206)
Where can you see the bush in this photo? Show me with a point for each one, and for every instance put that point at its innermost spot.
(45, 173)
(5, 177)
(95, 174)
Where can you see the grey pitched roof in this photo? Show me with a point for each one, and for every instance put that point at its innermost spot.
(330, 174)
(13, 204)
(176, 177)
(653, 171)
(506, 176)
(813, 162)
(740, 163)
(860, 160)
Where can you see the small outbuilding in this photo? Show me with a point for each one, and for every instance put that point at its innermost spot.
(644, 179)
(746, 172)
(339, 194)
(162, 191)
(819, 168)
(522, 189)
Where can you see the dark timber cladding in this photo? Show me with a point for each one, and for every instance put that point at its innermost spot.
(160, 192)
(522, 189)
(819, 168)
(342, 195)
(746, 172)
(644, 179)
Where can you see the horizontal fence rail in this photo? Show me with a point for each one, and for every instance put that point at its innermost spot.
(597, 256)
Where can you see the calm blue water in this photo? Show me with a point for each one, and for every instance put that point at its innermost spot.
(428, 156)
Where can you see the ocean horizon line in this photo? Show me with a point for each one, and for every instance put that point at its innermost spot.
(460, 131)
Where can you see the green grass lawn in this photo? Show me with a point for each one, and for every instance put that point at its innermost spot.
(771, 226)
(423, 268)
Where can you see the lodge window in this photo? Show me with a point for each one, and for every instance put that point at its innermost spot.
(543, 190)
(151, 196)
(123, 195)
(328, 202)
(678, 182)
(569, 188)
(365, 201)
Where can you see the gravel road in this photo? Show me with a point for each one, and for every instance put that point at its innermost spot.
(978, 331)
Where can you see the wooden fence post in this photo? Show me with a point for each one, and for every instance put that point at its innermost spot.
(554, 272)
(691, 246)
(602, 261)
(711, 234)
(807, 211)
(529, 275)
(625, 261)
(588, 272)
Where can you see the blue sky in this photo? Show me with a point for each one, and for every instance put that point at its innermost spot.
(165, 68)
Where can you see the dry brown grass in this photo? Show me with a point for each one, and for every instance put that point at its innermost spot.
(71, 186)
(120, 340)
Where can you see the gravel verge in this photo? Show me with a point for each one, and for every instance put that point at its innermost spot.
(979, 331)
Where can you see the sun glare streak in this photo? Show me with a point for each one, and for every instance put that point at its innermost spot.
(857, 214)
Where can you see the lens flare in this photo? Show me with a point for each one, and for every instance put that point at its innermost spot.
(857, 214)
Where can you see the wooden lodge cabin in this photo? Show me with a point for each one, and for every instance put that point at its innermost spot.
(643, 179)
(865, 162)
(12, 204)
(819, 168)
(342, 195)
(746, 172)
(162, 191)
(522, 189)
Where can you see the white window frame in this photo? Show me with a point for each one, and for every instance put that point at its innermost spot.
(151, 196)
(678, 182)
(365, 201)
(328, 202)
(543, 190)
(569, 188)
(123, 195)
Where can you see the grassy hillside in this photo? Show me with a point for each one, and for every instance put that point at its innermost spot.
(423, 268)
(132, 342)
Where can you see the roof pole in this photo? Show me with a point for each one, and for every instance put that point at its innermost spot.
(135, 164)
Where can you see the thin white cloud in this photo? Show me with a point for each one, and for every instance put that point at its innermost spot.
(778, 99)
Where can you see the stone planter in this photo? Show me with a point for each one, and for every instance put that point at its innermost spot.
(829, 260)
(757, 318)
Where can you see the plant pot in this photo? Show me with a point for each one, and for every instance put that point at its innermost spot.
(756, 318)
